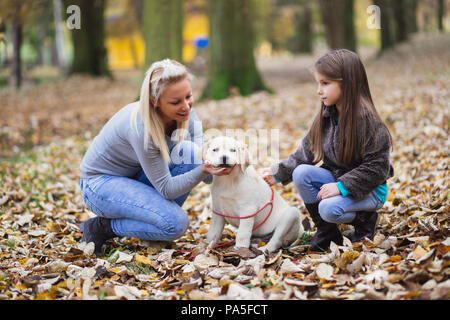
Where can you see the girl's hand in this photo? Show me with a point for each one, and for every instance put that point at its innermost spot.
(268, 177)
(207, 167)
(328, 190)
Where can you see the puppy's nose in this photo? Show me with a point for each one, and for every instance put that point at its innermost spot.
(224, 159)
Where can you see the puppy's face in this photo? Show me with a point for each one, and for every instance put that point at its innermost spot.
(225, 152)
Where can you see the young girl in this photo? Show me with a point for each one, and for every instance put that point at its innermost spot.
(133, 177)
(352, 142)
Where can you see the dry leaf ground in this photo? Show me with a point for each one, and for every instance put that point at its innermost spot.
(41, 206)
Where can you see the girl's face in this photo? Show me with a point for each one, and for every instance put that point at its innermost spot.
(328, 90)
(176, 101)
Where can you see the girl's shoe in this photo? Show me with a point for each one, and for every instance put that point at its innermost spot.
(365, 224)
(326, 231)
(97, 230)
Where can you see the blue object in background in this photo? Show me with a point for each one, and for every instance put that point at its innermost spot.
(201, 42)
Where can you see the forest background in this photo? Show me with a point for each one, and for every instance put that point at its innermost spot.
(67, 66)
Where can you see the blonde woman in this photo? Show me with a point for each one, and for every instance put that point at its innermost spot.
(142, 165)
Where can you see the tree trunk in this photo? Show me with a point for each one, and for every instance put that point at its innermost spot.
(387, 38)
(138, 6)
(90, 54)
(59, 36)
(40, 46)
(3, 55)
(162, 29)
(411, 16)
(441, 15)
(301, 42)
(231, 58)
(16, 65)
(349, 25)
(338, 19)
(400, 21)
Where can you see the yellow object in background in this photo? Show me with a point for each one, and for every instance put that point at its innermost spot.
(195, 25)
(125, 52)
(128, 52)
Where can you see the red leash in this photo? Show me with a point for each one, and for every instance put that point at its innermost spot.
(246, 217)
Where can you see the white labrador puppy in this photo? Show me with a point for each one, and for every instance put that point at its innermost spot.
(243, 199)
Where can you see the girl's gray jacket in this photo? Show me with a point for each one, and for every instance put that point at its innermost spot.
(371, 170)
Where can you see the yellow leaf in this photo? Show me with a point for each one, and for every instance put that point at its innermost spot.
(97, 283)
(21, 286)
(287, 195)
(412, 294)
(142, 259)
(418, 253)
(181, 261)
(202, 230)
(395, 259)
(48, 295)
(4, 254)
(346, 258)
(62, 284)
(327, 284)
(116, 270)
(115, 277)
(225, 282)
(78, 292)
(350, 256)
(53, 227)
(390, 196)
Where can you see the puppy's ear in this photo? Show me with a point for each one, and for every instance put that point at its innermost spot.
(244, 156)
(202, 152)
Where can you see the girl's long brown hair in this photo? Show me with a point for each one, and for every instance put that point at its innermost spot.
(357, 105)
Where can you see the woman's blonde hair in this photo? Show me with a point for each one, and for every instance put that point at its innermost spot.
(158, 76)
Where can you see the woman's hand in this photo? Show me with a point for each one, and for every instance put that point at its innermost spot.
(328, 190)
(268, 177)
(207, 167)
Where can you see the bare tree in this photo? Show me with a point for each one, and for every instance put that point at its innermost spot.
(338, 19)
(232, 62)
(59, 36)
(90, 54)
(162, 29)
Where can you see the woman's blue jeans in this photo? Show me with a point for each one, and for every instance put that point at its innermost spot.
(135, 207)
(338, 209)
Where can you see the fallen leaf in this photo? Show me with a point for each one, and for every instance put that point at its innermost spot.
(127, 292)
(120, 256)
(324, 271)
(287, 266)
(142, 259)
(202, 261)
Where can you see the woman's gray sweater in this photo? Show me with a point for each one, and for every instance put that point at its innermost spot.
(119, 150)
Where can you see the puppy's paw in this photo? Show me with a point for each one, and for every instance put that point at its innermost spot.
(201, 248)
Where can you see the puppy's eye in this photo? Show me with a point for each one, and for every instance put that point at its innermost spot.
(233, 150)
(215, 149)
